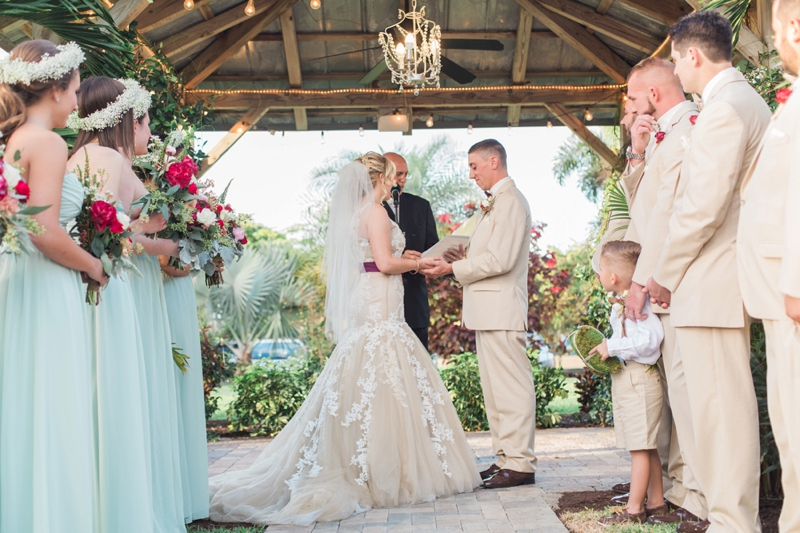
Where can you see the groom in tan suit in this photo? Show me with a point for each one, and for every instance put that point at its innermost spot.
(494, 275)
(697, 273)
(768, 249)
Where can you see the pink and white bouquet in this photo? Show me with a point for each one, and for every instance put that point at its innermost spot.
(15, 221)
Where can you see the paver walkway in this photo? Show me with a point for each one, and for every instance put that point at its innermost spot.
(570, 460)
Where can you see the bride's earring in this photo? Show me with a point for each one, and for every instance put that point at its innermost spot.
(58, 98)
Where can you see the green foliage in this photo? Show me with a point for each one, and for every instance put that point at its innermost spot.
(550, 383)
(764, 78)
(216, 368)
(770, 459)
(734, 10)
(577, 157)
(594, 397)
(269, 394)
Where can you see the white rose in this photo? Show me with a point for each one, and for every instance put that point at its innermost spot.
(206, 217)
(12, 175)
(226, 215)
(123, 219)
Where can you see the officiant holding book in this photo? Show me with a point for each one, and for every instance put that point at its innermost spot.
(415, 218)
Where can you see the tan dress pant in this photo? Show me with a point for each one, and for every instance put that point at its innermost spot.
(783, 398)
(509, 397)
(723, 451)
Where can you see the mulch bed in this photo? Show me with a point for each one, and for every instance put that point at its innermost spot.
(219, 429)
(208, 525)
(769, 508)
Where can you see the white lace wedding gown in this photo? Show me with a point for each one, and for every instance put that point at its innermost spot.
(378, 428)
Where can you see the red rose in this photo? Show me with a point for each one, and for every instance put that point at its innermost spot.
(192, 188)
(116, 226)
(660, 136)
(220, 223)
(228, 208)
(23, 190)
(103, 215)
(693, 119)
(244, 240)
(181, 173)
(783, 95)
(3, 187)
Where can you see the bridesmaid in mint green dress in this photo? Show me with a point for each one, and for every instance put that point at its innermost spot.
(162, 388)
(46, 443)
(182, 309)
(125, 495)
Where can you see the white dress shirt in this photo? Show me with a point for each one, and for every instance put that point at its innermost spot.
(713, 83)
(642, 342)
(499, 184)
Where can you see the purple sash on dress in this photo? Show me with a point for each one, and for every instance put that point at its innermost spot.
(371, 267)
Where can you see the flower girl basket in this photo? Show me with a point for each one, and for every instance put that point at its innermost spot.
(583, 340)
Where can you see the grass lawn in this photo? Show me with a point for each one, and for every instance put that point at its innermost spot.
(226, 396)
(568, 405)
(586, 522)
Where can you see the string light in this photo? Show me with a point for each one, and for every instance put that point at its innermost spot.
(429, 122)
(549, 124)
(315, 4)
(469, 128)
(624, 97)
(361, 131)
(510, 130)
(587, 116)
(239, 129)
(188, 5)
(322, 137)
(250, 8)
(272, 132)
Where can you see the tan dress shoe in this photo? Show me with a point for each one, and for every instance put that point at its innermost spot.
(675, 517)
(505, 478)
(489, 472)
(694, 527)
(622, 488)
(623, 517)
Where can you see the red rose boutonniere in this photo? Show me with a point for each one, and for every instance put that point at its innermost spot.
(693, 119)
(660, 136)
(487, 206)
(783, 95)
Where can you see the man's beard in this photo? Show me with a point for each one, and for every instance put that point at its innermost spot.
(651, 110)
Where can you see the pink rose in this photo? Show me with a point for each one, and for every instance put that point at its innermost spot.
(238, 234)
(9, 205)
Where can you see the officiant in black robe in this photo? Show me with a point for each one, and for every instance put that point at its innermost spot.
(417, 223)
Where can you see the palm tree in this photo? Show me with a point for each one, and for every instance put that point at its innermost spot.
(259, 299)
(576, 157)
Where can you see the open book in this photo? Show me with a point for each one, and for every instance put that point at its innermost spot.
(449, 241)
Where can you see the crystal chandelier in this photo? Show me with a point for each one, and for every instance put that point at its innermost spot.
(416, 58)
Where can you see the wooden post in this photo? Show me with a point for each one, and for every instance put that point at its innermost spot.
(233, 135)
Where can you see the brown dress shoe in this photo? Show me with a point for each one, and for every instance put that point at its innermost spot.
(623, 517)
(489, 472)
(675, 517)
(694, 527)
(661, 510)
(620, 499)
(509, 478)
(622, 488)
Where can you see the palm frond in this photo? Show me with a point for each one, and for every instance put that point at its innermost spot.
(734, 10)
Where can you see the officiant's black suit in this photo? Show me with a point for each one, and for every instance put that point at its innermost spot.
(419, 227)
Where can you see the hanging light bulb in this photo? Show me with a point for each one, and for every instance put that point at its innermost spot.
(188, 5)
(429, 122)
(250, 8)
(587, 116)
(322, 137)
(510, 130)
(469, 128)
(315, 4)
(361, 131)
(549, 124)
(624, 97)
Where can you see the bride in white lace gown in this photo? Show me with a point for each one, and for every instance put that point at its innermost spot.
(378, 428)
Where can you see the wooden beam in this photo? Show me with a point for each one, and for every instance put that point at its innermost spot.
(347, 76)
(125, 11)
(355, 98)
(6, 43)
(604, 6)
(619, 31)
(763, 19)
(520, 64)
(201, 31)
(205, 11)
(163, 12)
(579, 128)
(421, 114)
(292, 52)
(229, 42)
(346, 36)
(666, 11)
(579, 38)
(234, 134)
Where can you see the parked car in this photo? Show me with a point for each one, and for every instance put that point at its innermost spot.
(278, 350)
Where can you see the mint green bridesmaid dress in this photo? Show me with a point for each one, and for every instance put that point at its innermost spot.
(47, 466)
(125, 496)
(182, 311)
(162, 395)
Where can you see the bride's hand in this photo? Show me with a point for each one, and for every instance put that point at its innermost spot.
(435, 266)
(155, 224)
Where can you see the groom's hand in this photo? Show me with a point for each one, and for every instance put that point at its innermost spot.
(412, 254)
(436, 268)
(454, 254)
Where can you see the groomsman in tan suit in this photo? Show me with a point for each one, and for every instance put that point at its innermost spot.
(662, 127)
(494, 275)
(697, 273)
(768, 249)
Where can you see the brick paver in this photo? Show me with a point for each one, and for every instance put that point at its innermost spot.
(570, 460)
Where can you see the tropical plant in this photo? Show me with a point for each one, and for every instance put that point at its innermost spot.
(462, 379)
(259, 299)
(734, 10)
(577, 157)
(594, 397)
(770, 458)
(216, 368)
(764, 78)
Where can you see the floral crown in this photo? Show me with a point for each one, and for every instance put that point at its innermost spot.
(133, 97)
(16, 71)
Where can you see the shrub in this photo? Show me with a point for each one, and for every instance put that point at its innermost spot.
(594, 397)
(215, 368)
(770, 459)
(268, 395)
(549, 383)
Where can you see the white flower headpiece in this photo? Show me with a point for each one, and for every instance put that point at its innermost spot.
(16, 71)
(134, 97)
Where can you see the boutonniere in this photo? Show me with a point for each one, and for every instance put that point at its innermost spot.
(659, 133)
(783, 95)
(487, 205)
(693, 119)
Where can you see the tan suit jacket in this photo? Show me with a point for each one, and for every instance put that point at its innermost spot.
(494, 273)
(698, 262)
(768, 244)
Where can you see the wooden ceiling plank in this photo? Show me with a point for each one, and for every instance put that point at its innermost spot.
(604, 6)
(234, 134)
(292, 52)
(125, 11)
(367, 37)
(345, 76)
(666, 11)
(581, 40)
(520, 64)
(205, 11)
(6, 43)
(619, 31)
(163, 12)
(229, 42)
(577, 126)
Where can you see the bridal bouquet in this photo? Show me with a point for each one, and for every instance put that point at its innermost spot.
(586, 338)
(102, 230)
(15, 221)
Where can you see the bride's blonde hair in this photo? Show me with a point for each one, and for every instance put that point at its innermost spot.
(376, 165)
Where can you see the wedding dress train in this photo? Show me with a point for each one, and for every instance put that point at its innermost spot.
(378, 428)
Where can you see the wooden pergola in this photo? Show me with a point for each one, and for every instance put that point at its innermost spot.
(290, 67)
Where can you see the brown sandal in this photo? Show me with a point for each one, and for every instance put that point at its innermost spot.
(661, 510)
(623, 517)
